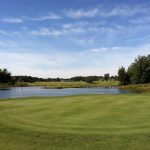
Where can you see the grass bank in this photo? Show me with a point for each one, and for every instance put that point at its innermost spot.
(18, 84)
(145, 88)
(91, 122)
(80, 84)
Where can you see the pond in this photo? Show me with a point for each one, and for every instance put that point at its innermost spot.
(15, 92)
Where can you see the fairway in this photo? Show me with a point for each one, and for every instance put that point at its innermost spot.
(87, 122)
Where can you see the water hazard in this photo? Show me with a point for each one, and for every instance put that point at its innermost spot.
(15, 92)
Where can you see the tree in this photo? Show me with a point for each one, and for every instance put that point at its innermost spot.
(106, 76)
(123, 76)
(139, 70)
(5, 76)
(90, 80)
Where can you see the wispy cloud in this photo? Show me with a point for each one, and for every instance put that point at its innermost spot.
(50, 16)
(102, 49)
(12, 20)
(80, 13)
(57, 32)
(86, 33)
(125, 10)
(101, 11)
(90, 41)
(124, 50)
(46, 32)
(68, 28)
(140, 20)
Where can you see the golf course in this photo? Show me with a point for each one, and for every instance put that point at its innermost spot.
(74, 75)
(84, 122)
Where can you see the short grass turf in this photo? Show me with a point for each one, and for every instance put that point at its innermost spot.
(87, 122)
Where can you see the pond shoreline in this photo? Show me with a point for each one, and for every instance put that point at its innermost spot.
(63, 85)
(143, 88)
(15, 92)
(97, 87)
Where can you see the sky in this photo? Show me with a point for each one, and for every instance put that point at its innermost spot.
(64, 38)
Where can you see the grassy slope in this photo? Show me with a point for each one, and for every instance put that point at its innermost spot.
(91, 122)
(18, 84)
(4, 85)
(137, 87)
(64, 84)
(74, 84)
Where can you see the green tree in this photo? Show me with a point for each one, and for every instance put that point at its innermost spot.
(123, 76)
(139, 70)
(106, 76)
(89, 80)
(5, 76)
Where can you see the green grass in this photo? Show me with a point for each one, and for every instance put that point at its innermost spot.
(74, 84)
(79, 84)
(4, 85)
(18, 84)
(88, 122)
(145, 88)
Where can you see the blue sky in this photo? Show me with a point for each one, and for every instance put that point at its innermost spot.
(63, 38)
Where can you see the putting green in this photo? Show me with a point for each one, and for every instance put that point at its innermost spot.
(92, 116)
(79, 114)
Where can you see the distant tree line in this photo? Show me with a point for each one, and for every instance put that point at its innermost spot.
(5, 77)
(34, 79)
(88, 79)
(91, 79)
(137, 73)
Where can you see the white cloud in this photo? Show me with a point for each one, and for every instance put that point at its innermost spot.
(81, 13)
(47, 32)
(139, 50)
(50, 16)
(12, 20)
(65, 64)
(103, 11)
(102, 49)
(90, 41)
(57, 32)
(68, 28)
(125, 10)
(99, 11)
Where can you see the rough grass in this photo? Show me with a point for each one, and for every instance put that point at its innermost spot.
(88, 122)
(137, 87)
(4, 85)
(74, 84)
(69, 84)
